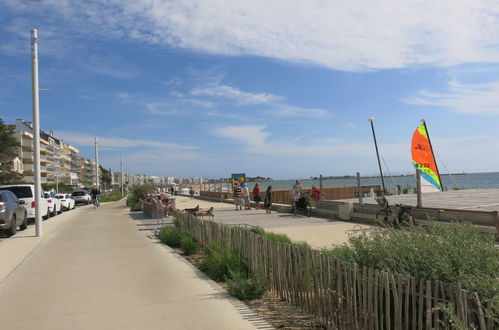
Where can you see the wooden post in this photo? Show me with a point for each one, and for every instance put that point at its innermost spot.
(359, 188)
(320, 187)
(418, 188)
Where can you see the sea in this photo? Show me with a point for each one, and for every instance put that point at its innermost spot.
(449, 181)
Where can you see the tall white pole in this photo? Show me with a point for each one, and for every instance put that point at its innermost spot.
(96, 164)
(121, 176)
(36, 132)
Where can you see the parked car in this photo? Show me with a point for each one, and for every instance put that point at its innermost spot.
(55, 206)
(67, 202)
(26, 192)
(12, 213)
(82, 197)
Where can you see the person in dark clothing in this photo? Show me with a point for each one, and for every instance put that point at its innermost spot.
(268, 199)
(95, 193)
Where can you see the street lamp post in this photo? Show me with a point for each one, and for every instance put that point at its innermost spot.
(36, 132)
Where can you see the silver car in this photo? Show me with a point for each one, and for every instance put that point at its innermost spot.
(12, 213)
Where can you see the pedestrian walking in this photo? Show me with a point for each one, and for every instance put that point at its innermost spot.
(238, 194)
(192, 192)
(257, 196)
(95, 193)
(246, 197)
(268, 200)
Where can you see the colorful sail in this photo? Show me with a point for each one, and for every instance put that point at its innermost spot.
(424, 160)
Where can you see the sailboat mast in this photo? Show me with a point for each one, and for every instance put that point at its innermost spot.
(431, 147)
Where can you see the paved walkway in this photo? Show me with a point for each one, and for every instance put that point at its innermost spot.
(94, 269)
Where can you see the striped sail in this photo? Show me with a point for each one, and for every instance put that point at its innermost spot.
(424, 160)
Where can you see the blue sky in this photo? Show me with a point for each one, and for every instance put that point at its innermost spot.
(281, 89)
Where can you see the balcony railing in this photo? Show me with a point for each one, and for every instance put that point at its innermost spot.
(27, 155)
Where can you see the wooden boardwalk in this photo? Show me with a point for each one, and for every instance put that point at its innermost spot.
(469, 199)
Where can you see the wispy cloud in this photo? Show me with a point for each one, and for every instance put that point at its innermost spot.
(241, 97)
(479, 99)
(257, 140)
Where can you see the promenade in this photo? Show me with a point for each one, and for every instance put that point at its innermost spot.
(95, 269)
(318, 232)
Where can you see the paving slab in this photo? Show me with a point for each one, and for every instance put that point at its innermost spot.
(95, 270)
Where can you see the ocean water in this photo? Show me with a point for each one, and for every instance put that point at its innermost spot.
(467, 181)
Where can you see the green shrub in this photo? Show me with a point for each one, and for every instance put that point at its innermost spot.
(220, 261)
(257, 230)
(137, 192)
(453, 253)
(189, 244)
(171, 236)
(244, 288)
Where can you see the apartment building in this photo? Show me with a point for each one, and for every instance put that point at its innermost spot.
(56, 158)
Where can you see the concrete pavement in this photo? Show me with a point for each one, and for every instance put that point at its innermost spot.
(94, 269)
(318, 232)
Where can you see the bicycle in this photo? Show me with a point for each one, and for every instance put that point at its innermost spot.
(302, 204)
(95, 202)
(386, 216)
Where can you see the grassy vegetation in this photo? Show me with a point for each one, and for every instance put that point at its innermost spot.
(110, 196)
(179, 238)
(455, 253)
(246, 288)
(221, 262)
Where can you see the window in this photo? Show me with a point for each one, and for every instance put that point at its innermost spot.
(20, 192)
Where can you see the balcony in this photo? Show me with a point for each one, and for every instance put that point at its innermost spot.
(27, 156)
(27, 144)
(28, 168)
(46, 150)
(45, 159)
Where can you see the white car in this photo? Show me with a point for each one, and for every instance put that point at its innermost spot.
(26, 192)
(67, 203)
(81, 196)
(55, 206)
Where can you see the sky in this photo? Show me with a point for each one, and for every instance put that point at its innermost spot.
(280, 89)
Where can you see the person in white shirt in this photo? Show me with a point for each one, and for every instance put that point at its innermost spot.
(246, 197)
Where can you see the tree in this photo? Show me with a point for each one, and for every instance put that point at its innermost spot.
(105, 176)
(8, 145)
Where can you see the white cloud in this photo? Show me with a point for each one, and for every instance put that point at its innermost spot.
(241, 97)
(87, 140)
(480, 99)
(341, 34)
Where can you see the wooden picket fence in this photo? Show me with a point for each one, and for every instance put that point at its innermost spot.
(344, 295)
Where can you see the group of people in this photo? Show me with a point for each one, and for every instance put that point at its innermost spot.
(297, 191)
(242, 197)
